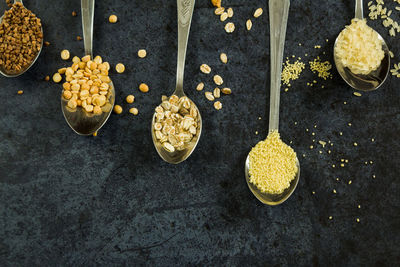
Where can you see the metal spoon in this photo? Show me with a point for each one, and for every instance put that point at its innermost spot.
(82, 122)
(278, 12)
(362, 82)
(185, 13)
(16, 74)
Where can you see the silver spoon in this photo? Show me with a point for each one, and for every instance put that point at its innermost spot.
(373, 80)
(12, 75)
(185, 13)
(278, 12)
(78, 119)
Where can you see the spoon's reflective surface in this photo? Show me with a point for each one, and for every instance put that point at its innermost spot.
(185, 12)
(278, 12)
(16, 74)
(373, 80)
(82, 122)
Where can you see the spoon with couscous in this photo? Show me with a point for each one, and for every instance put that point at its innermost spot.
(272, 169)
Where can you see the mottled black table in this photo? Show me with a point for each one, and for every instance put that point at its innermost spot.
(110, 200)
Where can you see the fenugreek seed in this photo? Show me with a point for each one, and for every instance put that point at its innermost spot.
(218, 80)
(46, 43)
(217, 93)
(249, 24)
(120, 68)
(130, 99)
(117, 109)
(230, 12)
(226, 91)
(144, 88)
(65, 54)
(205, 68)
(57, 77)
(229, 27)
(47, 78)
(223, 16)
(113, 19)
(258, 12)
(209, 96)
(20, 92)
(217, 105)
(218, 11)
(134, 111)
(74, 14)
(200, 87)
(95, 134)
(142, 53)
(78, 38)
(224, 58)
(216, 3)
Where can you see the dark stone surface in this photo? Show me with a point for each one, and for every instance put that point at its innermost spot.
(110, 200)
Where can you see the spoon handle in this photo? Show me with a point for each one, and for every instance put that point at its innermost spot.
(185, 13)
(278, 17)
(87, 25)
(359, 9)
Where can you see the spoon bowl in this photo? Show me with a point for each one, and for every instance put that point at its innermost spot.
(84, 123)
(371, 81)
(80, 121)
(177, 156)
(271, 199)
(16, 74)
(374, 79)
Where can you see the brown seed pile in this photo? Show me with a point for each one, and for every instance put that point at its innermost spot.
(20, 38)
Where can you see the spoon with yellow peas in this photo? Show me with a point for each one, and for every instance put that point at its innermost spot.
(88, 94)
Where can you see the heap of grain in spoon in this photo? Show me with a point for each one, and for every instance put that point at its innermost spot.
(20, 38)
(273, 165)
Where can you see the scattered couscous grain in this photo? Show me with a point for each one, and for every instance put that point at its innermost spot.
(65, 54)
(273, 165)
(20, 92)
(322, 68)
(291, 71)
(134, 111)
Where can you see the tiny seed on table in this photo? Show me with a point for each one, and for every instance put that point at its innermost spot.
(142, 53)
(258, 12)
(224, 58)
(200, 87)
(229, 27)
(249, 24)
(113, 19)
(117, 109)
(120, 68)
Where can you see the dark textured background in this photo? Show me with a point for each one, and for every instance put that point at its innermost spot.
(110, 200)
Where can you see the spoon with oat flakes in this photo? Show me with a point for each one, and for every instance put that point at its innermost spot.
(176, 125)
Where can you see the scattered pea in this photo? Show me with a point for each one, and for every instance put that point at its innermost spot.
(117, 109)
(142, 53)
(120, 68)
(134, 111)
(113, 19)
(144, 88)
(57, 77)
(130, 99)
(65, 54)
